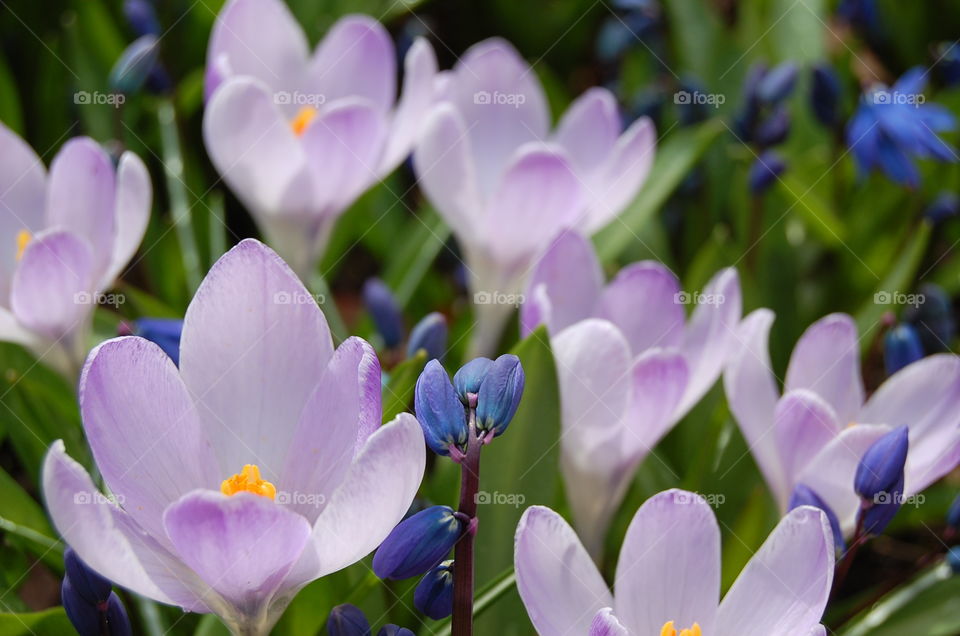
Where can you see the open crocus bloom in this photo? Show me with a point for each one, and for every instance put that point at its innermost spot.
(668, 575)
(66, 236)
(629, 364)
(816, 433)
(258, 467)
(507, 185)
(299, 136)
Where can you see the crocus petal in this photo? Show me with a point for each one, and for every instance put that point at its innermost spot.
(659, 379)
(588, 132)
(355, 58)
(143, 429)
(644, 301)
(926, 397)
(419, 71)
(621, 176)
(538, 197)
(51, 288)
(785, 586)
(22, 201)
(132, 213)
(606, 624)
(803, 424)
(571, 278)
(242, 546)
(12, 331)
(669, 566)
(752, 395)
(817, 630)
(256, 38)
(254, 345)
(826, 360)
(81, 197)
(711, 336)
(558, 583)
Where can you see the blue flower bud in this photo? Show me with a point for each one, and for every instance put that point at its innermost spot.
(953, 559)
(141, 17)
(439, 411)
(825, 95)
(118, 623)
(89, 602)
(163, 332)
(933, 318)
(347, 620)
(394, 630)
(765, 171)
(500, 394)
(805, 496)
(130, 72)
(881, 510)
(418, 543)
(84, 616)
(945, 206)
(777, 83)
(901, 346)
(89, 585)
(434, 593)
(469, 377)
(430, 334)
(953, 514)
(774, 129)
(384, 311)
(881, 467)
(948, 64)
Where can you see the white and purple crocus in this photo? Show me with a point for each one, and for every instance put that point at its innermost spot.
(668, 576)
(256, 468)
(816, 433)
(629, 363)
(507, 184)
(298, 136)
(67, 235)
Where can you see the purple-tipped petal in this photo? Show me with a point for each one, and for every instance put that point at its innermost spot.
(669, 566)
(253, 348)
(558, 583)
(803, 425)
(644, 301)
(132, 214)
(659, 380)
(419, 72)
(588, 132)
(22, 201)
(785, 586)
(606, 624)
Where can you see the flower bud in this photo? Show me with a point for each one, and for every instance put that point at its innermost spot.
(879, 480)
(347, 620)
(130, 72)
(805, 496)
(394, 630)
(141, 17)
(469, 377)
(499, 394)
(901, 346)
(933, 318)
(774, 129)
(418, 543)
(764, 171)
(384, 311)
(953, 514)
(434, 593)
(430, 334)
(89, 601)
(439, 411)
(945, 206)
(91, 587)
(777, 83)
(825, 95)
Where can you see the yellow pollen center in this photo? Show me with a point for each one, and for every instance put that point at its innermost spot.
(302, 119)
(23, 239)
(248, 480)
(669, 630)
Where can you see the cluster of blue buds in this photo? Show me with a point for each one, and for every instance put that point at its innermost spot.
(805, 496)
(944, 206)
(92, 606)
(764, 120)
(933, 318)
(901, 346)
(879, 480)
(163, 332)
(139, 65)
(631, 22)
(430, 334)
(349, 620)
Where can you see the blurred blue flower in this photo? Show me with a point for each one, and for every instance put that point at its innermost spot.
(948, 63)
(430, 334)
(825, 95)
(384, 311)
(943, 207)
(141, 17)
(131, 70)
(933, 318)
(901, 346)
(764, 171)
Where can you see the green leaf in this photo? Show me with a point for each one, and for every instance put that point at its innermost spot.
(25, 518)
(51, 621)
(411, 260)
(673, 161)
(398, 393)
(816, 214)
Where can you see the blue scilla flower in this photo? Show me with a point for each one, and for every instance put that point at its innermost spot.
(894, 126)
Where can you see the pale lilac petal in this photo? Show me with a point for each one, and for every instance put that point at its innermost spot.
(644, 302)
(143, 429)
(242, 546)
(256, 38)
(925, 396)
(571, 278)
(620, 178)
(107, 540)
(669, 566)
(22, 201)
(538, 197)
(81, 198)
(752, 395)
(51, 287)
(606, 624)
(501, 100)
(588, 132)
(254, 345)
(803, 425)
(826, 360)
(132, 214)
(817, 630)
(12, 331)
(558, 583)
(355, 59)
(785, 586)
(420, 70)
(659, 379)
(711, 336)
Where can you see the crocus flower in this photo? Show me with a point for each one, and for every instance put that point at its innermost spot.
(818, 431)
(299, 136)
(507, 185)
(893, 126)
(668, 575)
(67, 235)
(257, 467)
(629, 363)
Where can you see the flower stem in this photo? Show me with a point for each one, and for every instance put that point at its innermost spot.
(463, 551)
(859, 538)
